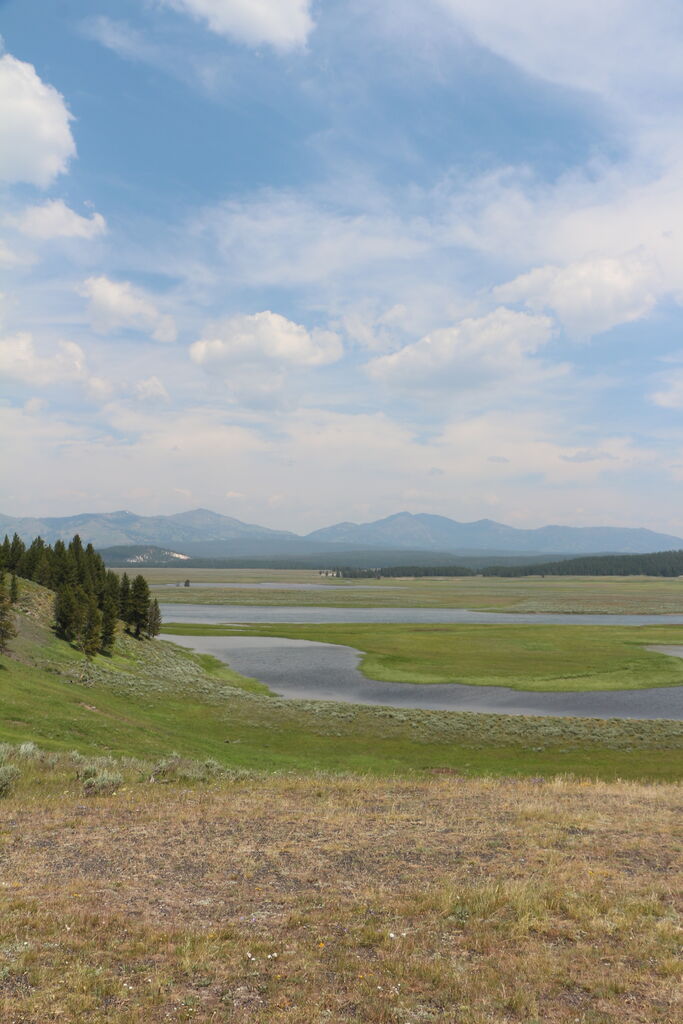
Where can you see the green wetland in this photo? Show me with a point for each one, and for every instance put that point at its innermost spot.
(152, 697)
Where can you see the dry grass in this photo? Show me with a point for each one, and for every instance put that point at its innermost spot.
(315, 899)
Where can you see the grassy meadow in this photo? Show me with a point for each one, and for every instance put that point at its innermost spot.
(572, 594)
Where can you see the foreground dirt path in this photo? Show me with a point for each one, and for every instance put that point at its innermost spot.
(330, 900)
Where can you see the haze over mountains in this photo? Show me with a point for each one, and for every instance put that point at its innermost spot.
(201, 533)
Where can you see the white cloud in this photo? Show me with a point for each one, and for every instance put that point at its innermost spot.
(35, 138)
(19, 359)
(54, 219)
(8, 258)
(99, 388)
(621, 49)
(590, 296)
(119, 304)
(283, 24)
(286, 239)
(151, 389)
(265, 338)
(121, 38)
(469, 355)
(671, 394)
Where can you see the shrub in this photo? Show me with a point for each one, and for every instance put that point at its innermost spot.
(28, 750)
(102, 783)
(8, 776)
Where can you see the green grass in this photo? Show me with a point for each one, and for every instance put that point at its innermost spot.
(153, 698)
(572, 594)
(524, 657)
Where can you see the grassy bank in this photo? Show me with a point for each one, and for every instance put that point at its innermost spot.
(524, 657)
(600, 594)
(152, 698)
(309, 900)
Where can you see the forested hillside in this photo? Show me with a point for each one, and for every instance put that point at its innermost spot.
(89, 598)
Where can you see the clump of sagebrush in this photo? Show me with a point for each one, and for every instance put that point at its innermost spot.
(175, 768)
(9, 774)
(103, 775)
(28, 751)
(102, 783)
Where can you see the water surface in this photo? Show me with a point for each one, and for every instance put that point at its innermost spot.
(218, 613)
(310, 670)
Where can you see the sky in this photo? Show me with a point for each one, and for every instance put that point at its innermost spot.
(305, 261)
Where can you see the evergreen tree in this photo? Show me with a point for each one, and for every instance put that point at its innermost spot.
(89, 633)
(7, 627)
(153, 619)
(68, 613)
(14, 589)
(62, 569)
(138, 611)
(124, 598)
(17, 548)
(43, 571)
(5, 553)
(109, 617)
(112, 587)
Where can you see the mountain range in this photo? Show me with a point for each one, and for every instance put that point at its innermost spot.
(201, 533)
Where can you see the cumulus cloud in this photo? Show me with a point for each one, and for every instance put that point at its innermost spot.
(20, 360)
(282, 24)
(119, 304)
(36, 143)
(590, 296)
(54, 219)
(265, 338)
(469, 355)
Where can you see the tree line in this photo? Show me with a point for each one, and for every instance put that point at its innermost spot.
(89, 598)
(659, 563)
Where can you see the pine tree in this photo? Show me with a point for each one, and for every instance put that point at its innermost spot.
(109, 616)
(124, 598)
(88, 637)
(139, 605)
(14, 589)
(5, 553)
(7, 627)
(153, 619)
(16, 550)
(68, 613)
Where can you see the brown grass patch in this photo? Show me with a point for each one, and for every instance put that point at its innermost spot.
(311, 900)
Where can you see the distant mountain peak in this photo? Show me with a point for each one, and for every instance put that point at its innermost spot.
(204, 533)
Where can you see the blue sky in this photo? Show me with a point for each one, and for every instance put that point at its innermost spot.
(303, 262)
